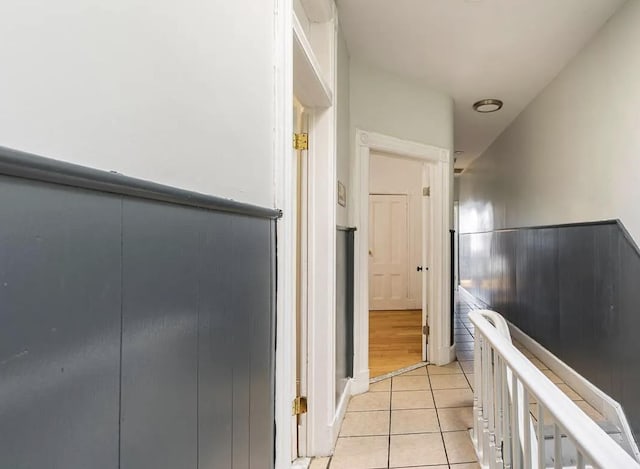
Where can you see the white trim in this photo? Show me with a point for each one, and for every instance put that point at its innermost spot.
(597, 398)
(283, 180)
(318, 11)
(341, 410)
(310, 87)
(321, 422)
(438, 255)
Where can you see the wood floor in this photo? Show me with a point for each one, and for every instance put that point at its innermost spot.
(394, 340)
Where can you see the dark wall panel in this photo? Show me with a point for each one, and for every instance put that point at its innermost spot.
(134, 333)
(59, 326)
(573, 288)
(215, 376)
(159, 335)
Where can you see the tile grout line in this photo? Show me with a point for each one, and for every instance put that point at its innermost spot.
(433, 396)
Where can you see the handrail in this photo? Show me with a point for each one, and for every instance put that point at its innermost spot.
(505, 379)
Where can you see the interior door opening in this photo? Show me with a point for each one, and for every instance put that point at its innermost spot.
(301, 130)
(398, 234)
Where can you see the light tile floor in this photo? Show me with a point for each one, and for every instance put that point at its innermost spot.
(417, 419)
(421, 419)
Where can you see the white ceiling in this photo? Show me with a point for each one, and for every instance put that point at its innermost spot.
(474, 49)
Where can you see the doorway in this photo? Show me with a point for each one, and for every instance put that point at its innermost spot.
(435, 282)
(397, 207)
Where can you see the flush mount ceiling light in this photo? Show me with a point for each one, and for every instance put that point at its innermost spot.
(487, 105)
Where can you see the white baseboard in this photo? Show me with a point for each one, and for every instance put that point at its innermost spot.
(360, 383)
(341, 409)
(301, 463)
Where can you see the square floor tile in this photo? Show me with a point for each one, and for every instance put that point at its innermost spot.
(365, 423)
(414, 421)
(381, 386)
(361, 452)
(458, 381)
(590, 411)
(459, 447)
(552, 376)
(410, 383)
(412, 400)
(469, 465)
(319, 463)
(538, 364)
(449, 369)
(453, 398)
(370, 401)
(455, 418)
(422, 449)
(571, 394)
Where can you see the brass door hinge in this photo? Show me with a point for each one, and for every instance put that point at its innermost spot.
(301, 141)
(299, 406)
(426, 191)
(425, 330)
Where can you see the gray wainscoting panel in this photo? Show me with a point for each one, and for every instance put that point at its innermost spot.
(254, 268)
(59, 326)
(344, 308)
(215, 365)
(134, 333)
(159, 335)
(573, 288)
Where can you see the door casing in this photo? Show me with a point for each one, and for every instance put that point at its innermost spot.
(436, 258)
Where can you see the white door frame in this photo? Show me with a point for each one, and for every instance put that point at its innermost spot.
(438, 255)
(322, 419)
(285, 231)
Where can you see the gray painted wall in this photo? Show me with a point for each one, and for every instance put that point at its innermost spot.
(574, 289)
(133, 333)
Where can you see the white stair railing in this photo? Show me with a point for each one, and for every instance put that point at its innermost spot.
(505, 434)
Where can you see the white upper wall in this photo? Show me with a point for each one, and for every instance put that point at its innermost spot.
(177, 92)
(400, 107)
(573, 155)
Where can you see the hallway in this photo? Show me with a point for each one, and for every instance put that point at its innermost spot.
(421, 419)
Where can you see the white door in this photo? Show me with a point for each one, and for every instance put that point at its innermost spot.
(388, 252)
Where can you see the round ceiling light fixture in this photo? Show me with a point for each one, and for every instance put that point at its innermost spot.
(487, 105)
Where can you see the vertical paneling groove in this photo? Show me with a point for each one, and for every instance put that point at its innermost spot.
(133, 333)
(159, 357)
(573, 288)
(215, 421)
